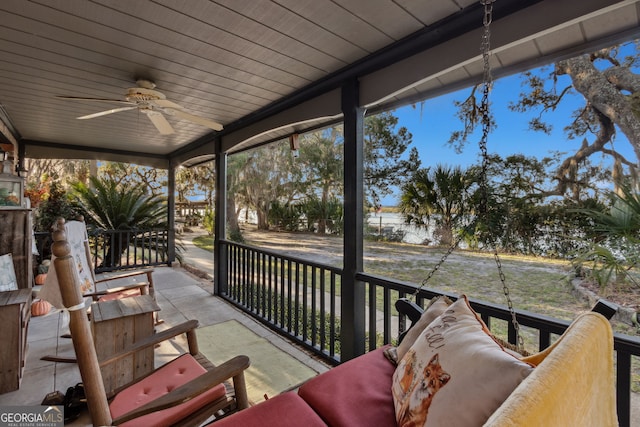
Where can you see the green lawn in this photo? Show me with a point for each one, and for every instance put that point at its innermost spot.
(539, 285)
(204, 242)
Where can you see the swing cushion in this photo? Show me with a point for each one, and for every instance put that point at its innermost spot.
(455, 374)
(285, 410)
(354, 393)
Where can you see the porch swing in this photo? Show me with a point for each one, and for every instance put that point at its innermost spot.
(572, 381)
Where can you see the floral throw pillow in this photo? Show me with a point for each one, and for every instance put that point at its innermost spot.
(455, 374)
(8, 281)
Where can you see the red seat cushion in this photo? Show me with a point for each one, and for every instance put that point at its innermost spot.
(284, 410)
(355, 393)
(172, 375)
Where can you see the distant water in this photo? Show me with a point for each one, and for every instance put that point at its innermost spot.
(412, 234)
(391, 221)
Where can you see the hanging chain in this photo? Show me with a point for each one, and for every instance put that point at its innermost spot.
(486, 128)
(488, 9)
(484, 192)
(437, 266)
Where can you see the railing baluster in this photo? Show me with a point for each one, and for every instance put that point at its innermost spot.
(373, 318)
(245, 278)
(251, 286)
(323, 341)
(305, 320)
(288, 298)
(314, 325)
(281, 292)
(544, 339)
(262, 285)
(623, 387)
(332, 325)
(297, 303)
(270, 295)
(402, 320)
(387, 315)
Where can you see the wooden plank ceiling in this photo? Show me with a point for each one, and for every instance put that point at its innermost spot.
(230, 60)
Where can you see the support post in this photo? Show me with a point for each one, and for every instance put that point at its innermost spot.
(21, 158)
(171, 212)
(352, 299)
(220, 286)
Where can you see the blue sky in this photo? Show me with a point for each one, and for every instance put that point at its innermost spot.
(432, 123)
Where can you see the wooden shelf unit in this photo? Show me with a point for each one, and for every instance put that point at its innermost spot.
(15, 311)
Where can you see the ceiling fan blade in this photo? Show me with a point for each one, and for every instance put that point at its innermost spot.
(196, 119)
(159, 121)
(104, 113)
(76, 98)
(165, 103)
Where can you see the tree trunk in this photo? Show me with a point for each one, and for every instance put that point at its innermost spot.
(263, 220)
(232, 216)
(322, 221)
(604, 95)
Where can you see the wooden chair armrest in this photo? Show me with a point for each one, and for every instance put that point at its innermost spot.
(152, 340)
(144, 287)
(125, 275)
(233, 368)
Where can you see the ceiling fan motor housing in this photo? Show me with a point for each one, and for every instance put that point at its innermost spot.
(138, 94)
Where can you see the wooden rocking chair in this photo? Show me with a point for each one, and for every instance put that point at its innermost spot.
(185, 391)
(76, 232)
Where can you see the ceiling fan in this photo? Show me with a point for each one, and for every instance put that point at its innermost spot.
(150, 102)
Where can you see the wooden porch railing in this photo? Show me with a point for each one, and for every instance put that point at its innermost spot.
(300, 299)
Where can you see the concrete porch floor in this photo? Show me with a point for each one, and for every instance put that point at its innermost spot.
(180, 295)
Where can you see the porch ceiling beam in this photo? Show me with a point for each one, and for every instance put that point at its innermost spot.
(51, 150)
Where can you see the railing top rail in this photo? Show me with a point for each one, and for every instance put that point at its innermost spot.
(93, 230)
(331, 268)
(623, 342)
(626, 343)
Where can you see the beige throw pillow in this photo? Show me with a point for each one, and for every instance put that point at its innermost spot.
(455, 374)
(436, 307)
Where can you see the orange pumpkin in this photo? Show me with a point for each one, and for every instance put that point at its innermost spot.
(40, 278)
(40, 307)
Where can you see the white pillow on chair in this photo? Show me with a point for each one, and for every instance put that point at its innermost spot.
(8, 281)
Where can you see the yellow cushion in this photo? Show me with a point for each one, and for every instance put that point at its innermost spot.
(572, 385)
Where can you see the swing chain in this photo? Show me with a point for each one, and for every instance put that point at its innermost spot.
(486, 128)
(484, 193)
(437, 266)
(487, 18)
